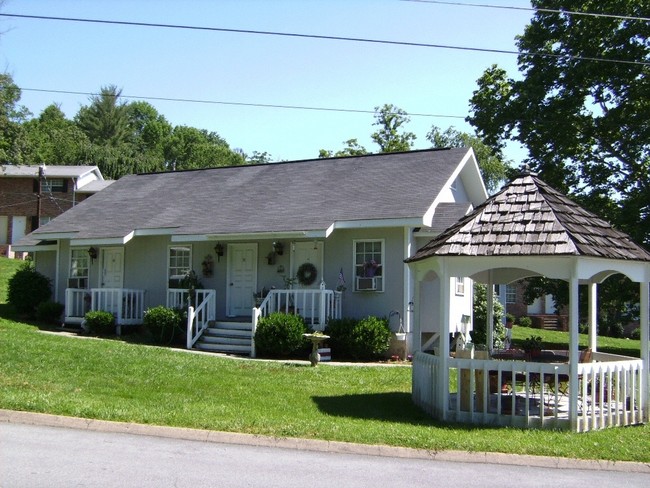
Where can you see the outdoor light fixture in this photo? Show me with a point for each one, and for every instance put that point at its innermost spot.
(278, 248)
(218, 250)
(92, 252)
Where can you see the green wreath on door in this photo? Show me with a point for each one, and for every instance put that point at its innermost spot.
(306, 274)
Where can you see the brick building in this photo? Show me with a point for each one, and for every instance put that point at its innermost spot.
(23, 208)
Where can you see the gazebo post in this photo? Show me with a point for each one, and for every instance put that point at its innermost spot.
(443, 314)
(593, 316)
(489, 327)
(574, 353)
(645, 350)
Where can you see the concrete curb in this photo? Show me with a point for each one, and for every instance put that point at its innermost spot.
(29, 418)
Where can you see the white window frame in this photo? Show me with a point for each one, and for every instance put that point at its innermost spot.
(511, 293)
(79, 271)
(362, 282)
(460, 286)
(178, 271)
(53, 185)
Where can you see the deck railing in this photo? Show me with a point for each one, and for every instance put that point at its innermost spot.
(127, 305)
(316, 306)
(199, 318)
(530, 394)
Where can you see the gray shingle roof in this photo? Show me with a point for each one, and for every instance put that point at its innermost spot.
(281, 197)
(529, 218)
(23, 170)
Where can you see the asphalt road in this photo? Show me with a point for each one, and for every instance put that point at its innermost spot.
(91, 454)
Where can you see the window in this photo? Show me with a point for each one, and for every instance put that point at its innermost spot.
(54, 185)
(460, 285)
(368, 265)
(180, 258)
(78, 268)
(511, 294)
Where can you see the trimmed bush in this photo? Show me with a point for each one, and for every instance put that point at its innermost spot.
(28, 288)
(100, 322)
(49, 312)
(525, 321)
(163, 323)
(370, 338)
(280, 334)
(364, 340)
(340, 332)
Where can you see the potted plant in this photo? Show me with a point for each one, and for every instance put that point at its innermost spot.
(532, 346)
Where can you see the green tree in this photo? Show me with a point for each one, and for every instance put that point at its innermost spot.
(492, 164)
(12, 116)
(149, 131)
(352, 148)
(105, 121)
(54, 140)
(389, 137)
(580, 106)
(190, 148)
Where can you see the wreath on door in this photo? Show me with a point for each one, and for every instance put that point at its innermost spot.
(306, 274)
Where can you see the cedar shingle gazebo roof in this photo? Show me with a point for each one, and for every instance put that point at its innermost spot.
(529, 218)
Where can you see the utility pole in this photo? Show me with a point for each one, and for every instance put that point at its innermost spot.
(41, 174)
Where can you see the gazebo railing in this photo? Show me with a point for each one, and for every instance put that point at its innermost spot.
(531, 394)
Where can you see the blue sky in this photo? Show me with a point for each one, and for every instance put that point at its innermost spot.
(260, 69)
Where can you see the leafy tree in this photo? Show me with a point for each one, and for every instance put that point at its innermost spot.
(105, 120)
(352, 148)
(388, 136)
(190, 148)
(492, 164)
(53, 140)
(581, 105)
(390, 119)
(11, 117)
(480, 320)
(149, 131)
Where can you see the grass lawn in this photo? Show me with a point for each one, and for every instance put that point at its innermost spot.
(115, 380)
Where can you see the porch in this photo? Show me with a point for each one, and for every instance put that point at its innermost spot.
(478, 389)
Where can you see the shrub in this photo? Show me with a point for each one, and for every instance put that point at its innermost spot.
(49, 312)
(479, 323)
(340, 332)
(636, 334)
(100, 322)
(525, 321)
(370, 338)
(163, 323)
(280, 334)
(28, 288)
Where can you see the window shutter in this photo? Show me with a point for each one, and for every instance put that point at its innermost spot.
(35, 186)
(34, 222)
(64, 188)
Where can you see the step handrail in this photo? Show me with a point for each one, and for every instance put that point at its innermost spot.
(198, 319)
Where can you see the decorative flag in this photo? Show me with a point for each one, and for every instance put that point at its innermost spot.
(341, 277)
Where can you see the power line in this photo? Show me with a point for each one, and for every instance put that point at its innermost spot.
(321, 37)
(531, 9)
(239, 104)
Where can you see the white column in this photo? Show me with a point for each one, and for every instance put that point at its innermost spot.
(593, 316)
(417, 299)
(443, 317)
(645, 349)
(489, 293)
(574, 353)
(409, 281)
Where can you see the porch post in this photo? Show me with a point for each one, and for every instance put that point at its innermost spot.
(443, 317)
(417, 332)
(593, 316)
(645, 350)
(574, 353)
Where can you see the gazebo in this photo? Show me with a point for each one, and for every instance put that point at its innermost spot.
(528, 229)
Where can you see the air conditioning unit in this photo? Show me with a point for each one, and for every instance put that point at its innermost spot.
(366, 284)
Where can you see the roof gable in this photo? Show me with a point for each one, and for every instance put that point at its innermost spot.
(529, 218)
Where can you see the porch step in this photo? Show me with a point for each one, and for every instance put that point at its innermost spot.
(226, 337)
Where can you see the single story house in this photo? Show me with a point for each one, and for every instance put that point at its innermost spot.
(325, 237)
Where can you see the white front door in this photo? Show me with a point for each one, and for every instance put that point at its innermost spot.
(242, 278)
(307, 252)
(18, 228)
(112, 275)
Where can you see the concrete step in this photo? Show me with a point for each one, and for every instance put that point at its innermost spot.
(227, 337)
(211, 339)
(225, 348)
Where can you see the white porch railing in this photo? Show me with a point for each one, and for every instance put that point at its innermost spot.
(314, 305)
(198, 318)
(528, 394)
(126, 304)
(178, 297)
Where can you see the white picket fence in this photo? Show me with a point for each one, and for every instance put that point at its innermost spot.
(610, 392)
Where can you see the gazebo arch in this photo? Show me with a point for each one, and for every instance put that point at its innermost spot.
(530, 229)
